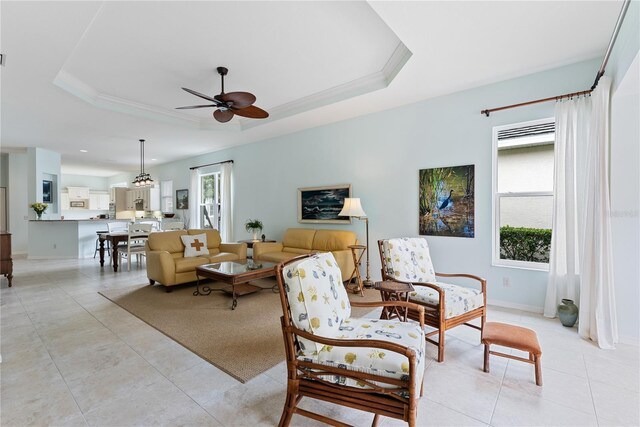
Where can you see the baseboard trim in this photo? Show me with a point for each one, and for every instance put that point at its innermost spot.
(629, 340)
(523, 307)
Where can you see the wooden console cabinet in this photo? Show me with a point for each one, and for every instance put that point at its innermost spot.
(6, 263)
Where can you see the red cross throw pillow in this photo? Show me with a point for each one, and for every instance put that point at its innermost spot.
(195, 245)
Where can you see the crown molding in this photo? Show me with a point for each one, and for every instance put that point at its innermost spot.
(366, 84)
(80, 89)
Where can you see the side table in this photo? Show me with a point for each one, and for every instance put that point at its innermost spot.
(394, 291)
(250, 243)
(357, 251)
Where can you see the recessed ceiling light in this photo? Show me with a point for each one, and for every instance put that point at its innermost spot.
(83, 151)
(154, 159)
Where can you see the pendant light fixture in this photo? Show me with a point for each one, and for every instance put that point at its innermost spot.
(143, 179)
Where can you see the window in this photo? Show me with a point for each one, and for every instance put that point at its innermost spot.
(166, 196)
(523, 156)
(209, 213)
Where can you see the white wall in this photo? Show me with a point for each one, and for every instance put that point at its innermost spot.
(97, 183)
(18, 202)
(380, 155)
(625, 201)
(526, 169)
(623, 67)
(43, 164)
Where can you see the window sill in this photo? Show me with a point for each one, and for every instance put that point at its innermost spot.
(523, 266)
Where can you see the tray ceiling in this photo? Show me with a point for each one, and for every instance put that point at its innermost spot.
(98, 76)
(135, 57)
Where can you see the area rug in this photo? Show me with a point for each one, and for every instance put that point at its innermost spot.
(243, 342)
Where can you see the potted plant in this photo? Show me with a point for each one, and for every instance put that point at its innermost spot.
(254, 226)
(39, 208)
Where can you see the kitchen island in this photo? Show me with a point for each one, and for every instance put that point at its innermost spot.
(65, 239)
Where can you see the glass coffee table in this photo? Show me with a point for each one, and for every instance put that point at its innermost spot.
(236, 275)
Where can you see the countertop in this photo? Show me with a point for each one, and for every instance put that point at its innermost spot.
(80, 220)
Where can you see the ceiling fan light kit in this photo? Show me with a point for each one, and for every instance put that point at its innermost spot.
(143, 179)
(229, 104)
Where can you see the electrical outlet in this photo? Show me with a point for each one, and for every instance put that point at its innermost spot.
(506, 282)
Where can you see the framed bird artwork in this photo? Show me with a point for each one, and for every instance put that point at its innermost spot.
(447, 201)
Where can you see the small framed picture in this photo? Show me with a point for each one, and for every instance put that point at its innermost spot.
(182, 199)
(47, 191)
(318, 205)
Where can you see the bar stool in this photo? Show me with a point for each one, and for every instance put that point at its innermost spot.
(107, 244)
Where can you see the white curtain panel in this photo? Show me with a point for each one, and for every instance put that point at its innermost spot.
(194, 198)
(581, 263)
(226, 203)
(597, 317)
(572, 130)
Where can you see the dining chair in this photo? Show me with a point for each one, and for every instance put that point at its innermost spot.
(155, 225)
(117, 227)
(173, 225)
(138, 234)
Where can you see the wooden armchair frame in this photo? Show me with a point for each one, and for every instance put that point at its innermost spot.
(435, 315)
(305, 379)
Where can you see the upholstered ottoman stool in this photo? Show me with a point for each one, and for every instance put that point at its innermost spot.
(513, 337)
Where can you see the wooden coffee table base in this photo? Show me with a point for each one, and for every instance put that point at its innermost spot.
(240, 290)
(235, 290)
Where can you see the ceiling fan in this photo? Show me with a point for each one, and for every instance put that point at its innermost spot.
(229, 104)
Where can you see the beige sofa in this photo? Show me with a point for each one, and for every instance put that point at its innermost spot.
(298, 241)
(167, 265)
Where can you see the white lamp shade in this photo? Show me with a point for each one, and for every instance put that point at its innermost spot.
(352, 207)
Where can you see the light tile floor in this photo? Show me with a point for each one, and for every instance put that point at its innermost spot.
(71, 357)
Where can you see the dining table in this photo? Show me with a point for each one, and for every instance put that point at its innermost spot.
(115, 238)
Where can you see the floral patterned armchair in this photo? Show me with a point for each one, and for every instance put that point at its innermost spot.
(367, 364)
(408, 260)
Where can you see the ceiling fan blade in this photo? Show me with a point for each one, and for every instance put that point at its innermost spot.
(223, 116)
(239, 99)
(251, 111)
(201, 95)
(195, 106)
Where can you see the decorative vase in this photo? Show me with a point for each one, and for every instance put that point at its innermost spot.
(39, 216)
(568, 313)
(255, 234)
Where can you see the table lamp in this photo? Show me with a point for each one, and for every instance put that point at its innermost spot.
(353, 208)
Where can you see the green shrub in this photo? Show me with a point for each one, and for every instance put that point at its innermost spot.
(525, 244)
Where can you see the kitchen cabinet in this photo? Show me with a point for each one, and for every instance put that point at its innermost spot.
(150, 198)
(78, 193)
(129, 204)
(99, 201)
(119, 198)
(64, 202)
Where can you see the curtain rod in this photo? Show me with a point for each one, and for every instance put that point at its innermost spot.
(600, 73)
(211, 164)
